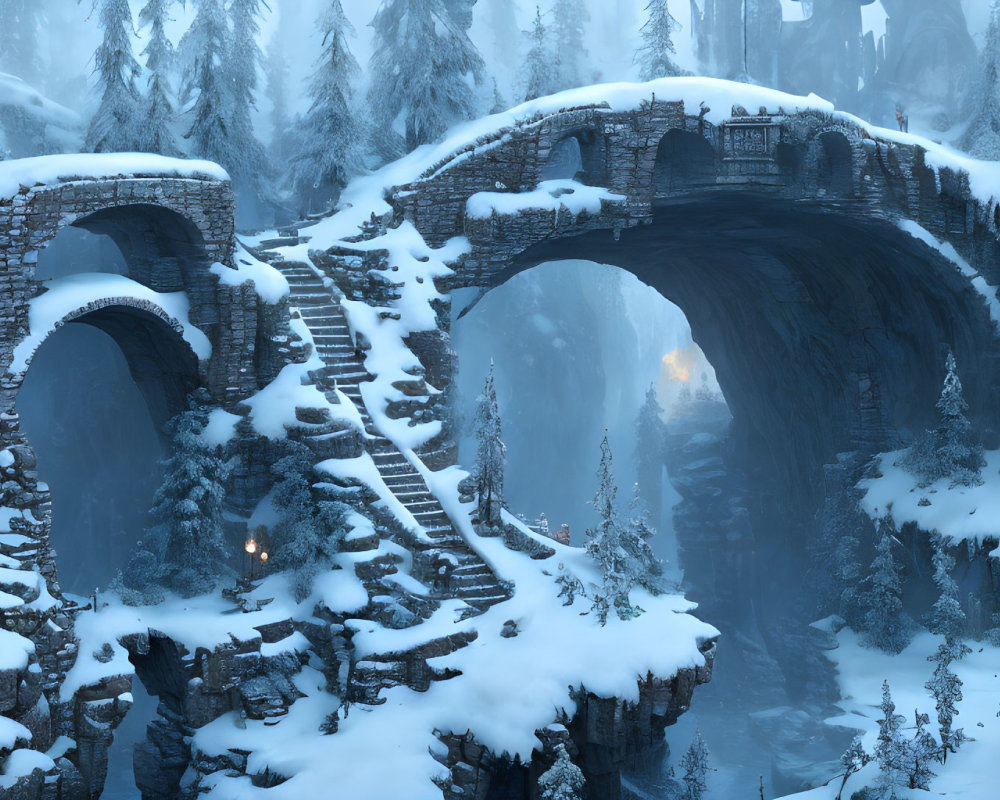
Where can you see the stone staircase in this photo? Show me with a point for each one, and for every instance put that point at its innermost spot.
(456, 570)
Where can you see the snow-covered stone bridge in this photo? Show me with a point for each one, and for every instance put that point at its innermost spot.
(818, 259)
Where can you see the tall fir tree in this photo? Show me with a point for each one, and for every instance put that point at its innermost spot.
(20, 23)
(950, 450)
(982, 137)
(569, 21)
(204, 48)
(114, 127)
(886, 626)
(420, 68)
(277, 88)
(156, 111)
(187, 508)
(538, 72)
(330, 137)
(695, 766)
(490, 453)
(563, 780)
(947, 617)
(243, 58)
(655, 55)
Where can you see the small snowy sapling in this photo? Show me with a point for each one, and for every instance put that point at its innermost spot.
(695, 764)
(563, 780)
(490, 453)
(920, 752)
(854, 759)
(890, 750)
(537, 69)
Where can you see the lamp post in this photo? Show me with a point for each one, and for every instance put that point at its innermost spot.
(251, 548)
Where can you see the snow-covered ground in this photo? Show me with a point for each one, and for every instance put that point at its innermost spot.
(959, 513)
(969, 773)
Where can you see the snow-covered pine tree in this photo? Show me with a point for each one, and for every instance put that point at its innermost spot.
(277, 90)
(329, 136)
(139, 583)
(619, 545)
(569, 19)
(243, 58)
(563, 780)
(654, 56)
(490, 453)
(950, 450)
(538, 70)
(20, 21)
(156, 111)
(187, 508)
(982, 138)
(604, 546)
(946, 687)
(890, 750)
(947, 617)
(114, 127)
(635, 538)
(886, 626)
(695, 764)
(204, 48)
(420, 68)
(854, 759)
(308, 532)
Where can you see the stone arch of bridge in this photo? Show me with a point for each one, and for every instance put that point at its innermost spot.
(827, 329)
(820, 322)
(161, 362)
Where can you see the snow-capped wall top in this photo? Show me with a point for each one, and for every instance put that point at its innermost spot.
(64, 168)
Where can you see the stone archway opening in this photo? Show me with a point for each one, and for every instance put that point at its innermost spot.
(579, 156)
(94, 404)
(684, 160)
(575, 346)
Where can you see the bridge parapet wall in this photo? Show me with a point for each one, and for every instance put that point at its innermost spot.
(663, 152)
